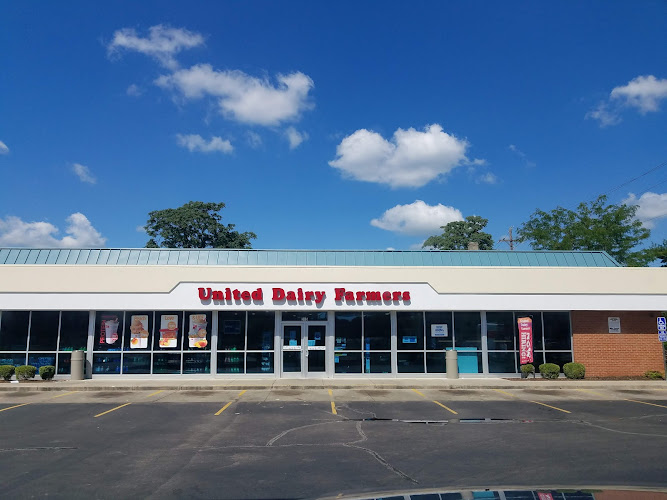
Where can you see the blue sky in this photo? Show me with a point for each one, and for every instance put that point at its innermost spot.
(360, 125)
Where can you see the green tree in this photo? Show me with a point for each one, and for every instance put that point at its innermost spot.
(456, 235)
(194, 225)
(595, 225)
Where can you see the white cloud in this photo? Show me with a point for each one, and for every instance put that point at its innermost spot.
(195, 142)
(521, 155)
(651, 206)
(411, 159)
(417, 218)
(604, 115)
(162, 43)
(643, 93)
(3, 148)
(134, 90)
(140, 229)
(17, 233)
(83, 173)
(242, 97)
(295, 137)
(254, 139)
(487, 178)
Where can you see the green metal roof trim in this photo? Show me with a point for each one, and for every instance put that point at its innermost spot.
(214, 257)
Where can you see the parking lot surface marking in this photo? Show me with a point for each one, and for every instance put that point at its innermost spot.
(15, 406)
(61, 395)
(333, 405)
(154, 393)
(529, 401)
(229, 404)
(109, 411)
(436, 402)
(645, 403)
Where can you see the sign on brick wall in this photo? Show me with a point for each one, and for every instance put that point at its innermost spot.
(614, 324)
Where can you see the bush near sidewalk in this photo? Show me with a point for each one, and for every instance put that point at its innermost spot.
(653, 375)
(6, 372)
(574, 370)
(24, 372)
(47, 372)
(549, 370)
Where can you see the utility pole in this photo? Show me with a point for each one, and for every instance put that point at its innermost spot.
(510, 241)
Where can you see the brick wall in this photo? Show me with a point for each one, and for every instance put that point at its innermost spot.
(629, 353)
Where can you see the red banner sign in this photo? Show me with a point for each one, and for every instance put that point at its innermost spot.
(526, 339)
(544, 496)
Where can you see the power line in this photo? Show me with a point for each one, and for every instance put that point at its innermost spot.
(658, 167)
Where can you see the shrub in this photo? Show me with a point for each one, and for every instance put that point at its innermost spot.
(25, 372)
(527, 369)
(47, 372)
(549, 370)
(653, 375)
(574, 370)
(6, 371)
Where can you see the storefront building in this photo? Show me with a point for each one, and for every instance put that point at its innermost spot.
(267, 313)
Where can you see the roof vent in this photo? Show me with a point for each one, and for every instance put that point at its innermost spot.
(473, 245)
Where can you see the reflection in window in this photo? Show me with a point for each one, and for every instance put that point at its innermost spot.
(347, 362)
(261, 330)
(64, 364)
(73, 330)
(377, 362)
(8, 358)
(410, 331)
(436, 362)
(196, 362)
(106, 364)
(502, 362)
(410, 362)
(468, 329)
(14, 330)
(436, 340)
(136, 363)
(231, 331)
(259, 362)
(230, 362)
(348, 332)
(44, 330)
(41, 359)
(164, 362)
(500, 331)
(377, 331)
(557, 331)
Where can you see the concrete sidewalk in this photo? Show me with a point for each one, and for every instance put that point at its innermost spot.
(213, 384)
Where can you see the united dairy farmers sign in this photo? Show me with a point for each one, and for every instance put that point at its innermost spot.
(300, 296)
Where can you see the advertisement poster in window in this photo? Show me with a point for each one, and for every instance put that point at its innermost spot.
(197, 331)
(526, 339)
(168, 330)
(139, 331)
(109, 329)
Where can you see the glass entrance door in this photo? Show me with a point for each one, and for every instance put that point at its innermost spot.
(304, 349)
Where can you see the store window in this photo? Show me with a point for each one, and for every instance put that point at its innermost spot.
(348, 332)
(198, 333)
(231, 331)
(439, 331)
(168, 332)
(108, 331)
(410, 331)
(304, 316)
(73, 330)
(138, 331)
(377, 337)
(557, 335)
(14, 330)
(261, 331)
(44, 331)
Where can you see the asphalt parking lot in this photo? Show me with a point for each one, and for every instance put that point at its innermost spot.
(318, 442)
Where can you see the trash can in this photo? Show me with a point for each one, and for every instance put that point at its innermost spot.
(77, 362)
(452, 363)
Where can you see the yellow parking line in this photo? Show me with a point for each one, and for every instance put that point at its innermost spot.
(422, 395)
(448, 409)
(15, 406)
(223, 408)
(156, 392)
(333, 405)
(592, 392)
(529, 401)
(228, 404)
(505, 392)
(549, 406)
(112, 409)
(61, 395)
(634, 401)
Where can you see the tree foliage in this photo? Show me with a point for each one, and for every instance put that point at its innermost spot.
(456, 235)
(194, 225)
(596, 225)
